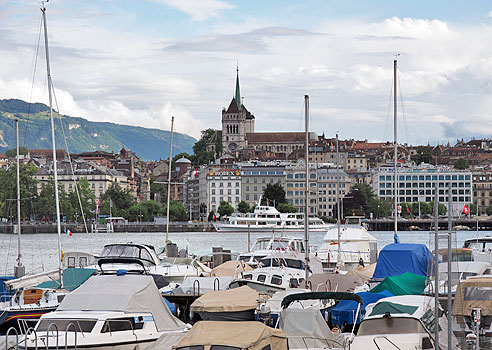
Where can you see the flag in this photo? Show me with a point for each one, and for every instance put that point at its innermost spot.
(408, 210)
(465, 210)
(68, 232)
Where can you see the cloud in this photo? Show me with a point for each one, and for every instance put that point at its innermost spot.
(199, 10)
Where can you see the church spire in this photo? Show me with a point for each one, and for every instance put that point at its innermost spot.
(238, 92)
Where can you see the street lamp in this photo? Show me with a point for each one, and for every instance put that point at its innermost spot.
(418, 199)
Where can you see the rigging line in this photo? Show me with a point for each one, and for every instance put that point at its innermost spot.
(72, 170)
(402, 104)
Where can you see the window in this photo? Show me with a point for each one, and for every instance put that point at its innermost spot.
(261, 278)
(277, 280)
(61, 324)
(121, 324)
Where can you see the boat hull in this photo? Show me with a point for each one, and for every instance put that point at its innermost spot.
(9, 318)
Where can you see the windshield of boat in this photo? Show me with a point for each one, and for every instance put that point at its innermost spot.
(261, 244)
(390, 325)
(277, 262)
(81, 325)
(126, 251)
(478, 293)
(176, 261)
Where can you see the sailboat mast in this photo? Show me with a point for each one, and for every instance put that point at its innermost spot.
(395, 131)
(55, 173)
(339, 218)
(169, 184)
(19, 269)
(306, 192)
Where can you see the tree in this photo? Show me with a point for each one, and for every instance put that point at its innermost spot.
(8, 190)
(461, 164)
(122, 199)
(287, 208)
(441, 208)
(177, 211)
(423, 155)
(201, 156)
(243, 207)
(359, 200)
(12, 153)
(87, 200)
(273, 194)
(46, 202)
(488, 211)
(380, 208)
(225, 209)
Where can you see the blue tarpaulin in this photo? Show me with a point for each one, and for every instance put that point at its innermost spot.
(345, 311)
(398, 258)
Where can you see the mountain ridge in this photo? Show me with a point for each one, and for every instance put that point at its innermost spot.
(84, 135)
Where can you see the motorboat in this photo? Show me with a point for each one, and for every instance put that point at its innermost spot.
(306, 328)
(268, 219)
(481, 248)
(38, 294)
(137, 257)
(277, 273)
(460, 271)
(247, 335)
(357, 246)
(400, 322)
(118, 312)
(474, 292)
(264, 246)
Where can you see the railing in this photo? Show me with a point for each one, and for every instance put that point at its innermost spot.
(30, 334)
(385, 338)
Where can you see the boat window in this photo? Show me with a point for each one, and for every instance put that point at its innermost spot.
(261, 278)
(488, 246)
(244, 257)
(224, 347)
(465, 275)
(474, 245)
(390, 325)
(427, 343)
(248, 276)
(478, 293)
(293, 283)
(82, 261)
(295, 264)
(145, 255)
(120, 324)
(61, 324)
(276, 280)
(71, 261)
(194, 347)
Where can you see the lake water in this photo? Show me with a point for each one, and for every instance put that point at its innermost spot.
(40, 251)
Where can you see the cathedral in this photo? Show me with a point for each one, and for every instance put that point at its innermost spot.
(239, 136)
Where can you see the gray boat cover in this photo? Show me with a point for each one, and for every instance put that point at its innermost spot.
(202, 285)
(128, 293)
(312, 332)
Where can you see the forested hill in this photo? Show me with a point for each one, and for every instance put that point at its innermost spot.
(83, 135)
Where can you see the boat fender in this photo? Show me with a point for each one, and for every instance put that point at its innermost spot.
(121, 272)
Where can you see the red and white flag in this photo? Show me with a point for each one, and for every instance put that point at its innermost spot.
(465, 210)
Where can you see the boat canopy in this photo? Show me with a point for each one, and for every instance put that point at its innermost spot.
(398, 258)
(320, 295)
(344, 312)
(230, 268)
(248, 335)
(363, 273)
(415, 306)
(307, 329)
(474, 292)
(127, 293)
(325, 282)
(72, 279)
(348, 233)
(229, 300)
(404, 284)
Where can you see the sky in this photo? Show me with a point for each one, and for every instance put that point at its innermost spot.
(141, 62)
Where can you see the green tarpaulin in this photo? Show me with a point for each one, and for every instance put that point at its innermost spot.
(72, 278)
(385, 306)
(404, 284)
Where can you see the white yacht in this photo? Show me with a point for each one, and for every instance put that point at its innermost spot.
(267, 219)
(355, 244)
(481, 248)
(264, 246)
(401, 322)
(108, 312)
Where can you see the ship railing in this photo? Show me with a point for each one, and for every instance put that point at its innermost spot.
(385, 338)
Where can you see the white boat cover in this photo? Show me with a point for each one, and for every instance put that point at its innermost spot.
(333, 282)
(230, 268)
(128, 293)
(33, 280)
(202, 285)
(230, 300)
(249, 335)
(306, 329)
(348, 233)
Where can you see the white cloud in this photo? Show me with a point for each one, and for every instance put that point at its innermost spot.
(199, 10)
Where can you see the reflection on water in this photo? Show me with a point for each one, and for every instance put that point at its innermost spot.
(40, 251)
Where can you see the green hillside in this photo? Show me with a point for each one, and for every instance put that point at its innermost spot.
(83, 135)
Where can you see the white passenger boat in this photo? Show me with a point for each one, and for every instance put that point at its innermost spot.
(268, 219)
(264, 246)
(108, 312)
(401, 322)
(278, 273)
(356, 246)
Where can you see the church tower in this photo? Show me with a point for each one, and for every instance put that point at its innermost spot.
(237, 121)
